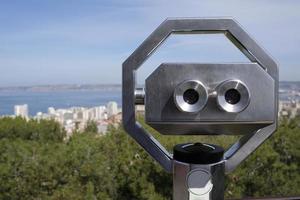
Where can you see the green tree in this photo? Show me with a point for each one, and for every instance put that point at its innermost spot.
(36, 163)
(91, 127)
(43, 130)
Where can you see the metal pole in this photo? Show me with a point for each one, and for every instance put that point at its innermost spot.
(198, 172)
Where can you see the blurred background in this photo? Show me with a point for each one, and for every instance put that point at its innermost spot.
(60, 96)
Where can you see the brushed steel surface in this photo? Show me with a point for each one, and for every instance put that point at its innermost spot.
(243, 91)
(162, 113)
(178, 96)
(237, 35)
(181, 172)
(139, 95)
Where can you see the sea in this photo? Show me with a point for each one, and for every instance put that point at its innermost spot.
(40, 101)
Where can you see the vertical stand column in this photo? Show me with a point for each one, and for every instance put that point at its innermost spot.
(198, 172)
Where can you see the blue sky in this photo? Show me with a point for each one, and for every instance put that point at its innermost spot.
(86, 41)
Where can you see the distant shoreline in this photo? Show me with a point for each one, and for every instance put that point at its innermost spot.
(102, 87)
(63, 87)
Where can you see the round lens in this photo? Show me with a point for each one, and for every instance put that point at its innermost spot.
(232, 96)
(191, 96)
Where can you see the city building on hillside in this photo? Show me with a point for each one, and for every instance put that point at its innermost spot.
(40, 115)
(76, 118)
(140, 109)
(21, 111)
(51, 111)
(88, 114)
(289, 109)
(112, 109)
(100, 113)
(102, 127)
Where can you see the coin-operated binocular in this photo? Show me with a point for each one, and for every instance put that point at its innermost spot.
(202, 99)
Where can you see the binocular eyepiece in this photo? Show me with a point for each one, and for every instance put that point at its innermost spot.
(195, 98)
(202, 99)
(233, 96)
(192, 95)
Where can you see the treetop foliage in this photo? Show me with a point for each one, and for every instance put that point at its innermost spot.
(37, 163)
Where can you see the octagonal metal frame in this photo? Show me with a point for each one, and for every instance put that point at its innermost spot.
(236, 34)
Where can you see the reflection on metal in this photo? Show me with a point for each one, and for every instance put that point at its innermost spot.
(192, 181)
(233, 96)
(139, 95)
(162, 111)
(207, 99)
(190, 96)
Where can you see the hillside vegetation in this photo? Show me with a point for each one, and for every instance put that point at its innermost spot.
(37, 163)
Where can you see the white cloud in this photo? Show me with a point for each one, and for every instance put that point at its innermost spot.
(102, 36)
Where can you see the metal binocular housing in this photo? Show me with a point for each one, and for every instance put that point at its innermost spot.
(203, 98)
(209, 99)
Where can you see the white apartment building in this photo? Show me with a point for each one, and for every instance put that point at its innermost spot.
(100, 113)
(40, 116)
(112, 109)
(88, 114)
(51, 111)
(21, 110)
(77, 117)
(289, 109)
